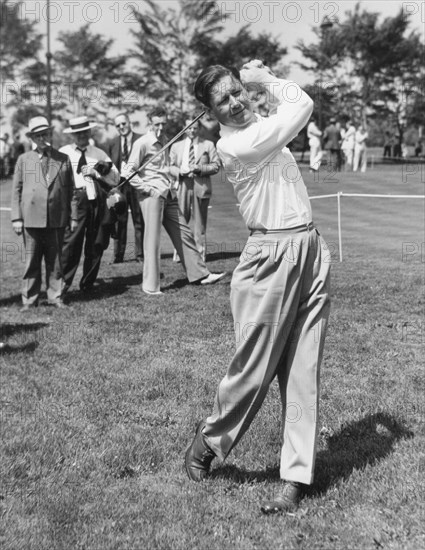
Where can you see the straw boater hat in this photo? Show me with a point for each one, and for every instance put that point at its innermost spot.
(79, 124)
(36, 125)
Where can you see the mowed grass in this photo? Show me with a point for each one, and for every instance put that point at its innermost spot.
(100, 402)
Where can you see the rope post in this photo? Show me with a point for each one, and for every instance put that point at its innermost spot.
(338, 198)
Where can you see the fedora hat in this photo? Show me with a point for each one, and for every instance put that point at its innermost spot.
(37, 124)
(79, 124)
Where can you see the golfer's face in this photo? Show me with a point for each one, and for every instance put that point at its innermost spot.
(230, 103)
(158, 125)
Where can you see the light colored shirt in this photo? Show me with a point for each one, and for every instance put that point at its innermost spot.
(349, 138)
(263, 172)
(361, 137)
(313, 131)
(93, 155)
(155, 177)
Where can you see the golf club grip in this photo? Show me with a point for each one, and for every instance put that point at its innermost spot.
(168, 144)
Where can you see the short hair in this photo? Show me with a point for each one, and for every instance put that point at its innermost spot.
(158, 112)
(209, 78)
(124, 114)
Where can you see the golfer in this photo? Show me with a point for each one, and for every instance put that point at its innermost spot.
(279, 291)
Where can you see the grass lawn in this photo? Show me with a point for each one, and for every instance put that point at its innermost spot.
(100, 402)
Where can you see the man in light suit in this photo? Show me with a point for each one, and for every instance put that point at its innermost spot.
(119, 150)
(193, 161)
(43, 185)
(314, 135)
(159, 206)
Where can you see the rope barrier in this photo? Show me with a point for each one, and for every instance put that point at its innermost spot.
(342, 194)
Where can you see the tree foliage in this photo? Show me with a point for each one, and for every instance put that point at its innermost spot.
(376, 68)
(19, 40)
(86, 76)
(172, 45)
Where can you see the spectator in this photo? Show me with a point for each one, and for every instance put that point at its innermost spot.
(193, 161)
(348, 145)
(332, 141)
(314, 141)
(119, 149)
(388, 144)
(94, 175)
(43, 184)
(360, 149)
(159, 206)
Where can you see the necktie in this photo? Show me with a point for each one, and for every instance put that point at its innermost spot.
(191, 153)
(45, 165)
(82, 162)
(125, 150)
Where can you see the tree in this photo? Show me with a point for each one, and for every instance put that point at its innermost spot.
(376, 67)
(94, 84)
(19, 40)
(172, 45)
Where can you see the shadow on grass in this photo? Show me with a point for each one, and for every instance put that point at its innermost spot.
(11, 300)
(8, 330)
(357, 445)
(30, 347)
(104, 289)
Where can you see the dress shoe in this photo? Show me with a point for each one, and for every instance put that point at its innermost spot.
(152, 292)
(117, 261)
(198, 456)
(286, 501)
(213, 278)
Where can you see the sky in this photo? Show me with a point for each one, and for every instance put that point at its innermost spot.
(288, 21)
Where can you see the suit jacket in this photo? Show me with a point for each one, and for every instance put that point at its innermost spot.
(42, 200)
(113, 149)
(332, 137)
(207, 160)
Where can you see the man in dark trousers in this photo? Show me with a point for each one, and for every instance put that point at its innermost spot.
(43, 185)
(94, 175)
(332, 140)
(119, 150)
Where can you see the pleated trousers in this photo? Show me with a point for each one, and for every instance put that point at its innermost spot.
(280, 305)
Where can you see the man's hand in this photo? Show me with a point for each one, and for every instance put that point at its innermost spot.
(18, 226)
(73, 225)
(89, 171)
(255, 72)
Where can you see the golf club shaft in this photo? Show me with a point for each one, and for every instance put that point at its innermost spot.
(168, 144)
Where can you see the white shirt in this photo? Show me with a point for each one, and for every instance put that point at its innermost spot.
(361, 137)
(313, 132)
(93, 155)
(263, 172)
(349, 137)
(155, 177)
